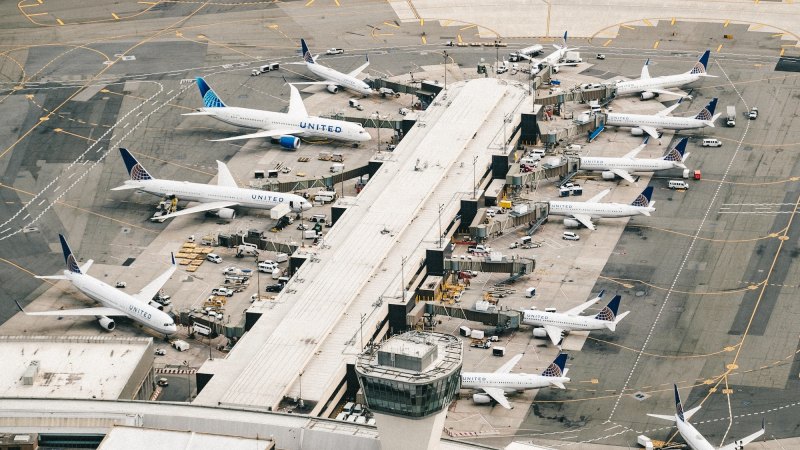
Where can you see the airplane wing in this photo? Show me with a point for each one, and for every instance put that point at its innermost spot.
(506, 368)
(554, 333)
(224, 176)
(735, 445)
(199, 208)
(359, 69)
(262, 134)
(650, 131)
(498, 395)
(599, 196)
(582, 307)
(296, 106)
(148, 292)
(666, 92)
(98, 311)
(668, 110)
(623, 174)
(584, 220)
(632, 154)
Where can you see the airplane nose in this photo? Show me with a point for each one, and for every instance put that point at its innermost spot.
(306, 206)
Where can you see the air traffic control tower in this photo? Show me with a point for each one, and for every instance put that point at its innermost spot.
(408, 382)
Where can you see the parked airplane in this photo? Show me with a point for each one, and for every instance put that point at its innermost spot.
(582, 213)
(139, 307)
(650, 124)
(284, 127)
(495, 385)
(553, 59)
(556, 324)
(693, 438)
(333, 78)
(648, 87)
(220, 197)
(624, 166)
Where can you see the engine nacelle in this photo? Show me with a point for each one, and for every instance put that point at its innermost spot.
(555, 69)
(571, 223)
(106, 323)
(539, 333)
(289, 142)
(332, 88)
(608, 175)
(481, 399)
(637, 131)
(648, 95)
(226, 213)
(156, 305)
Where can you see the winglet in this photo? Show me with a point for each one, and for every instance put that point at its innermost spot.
(707, 113)
(305, 52)
(678, 406)
(601, 293)
(644, 198)
(210, 98)
(701, 66)
(173, 258)
(69, 258)
(23, 312)
(609, 312)
(556, 368)
(135, 169)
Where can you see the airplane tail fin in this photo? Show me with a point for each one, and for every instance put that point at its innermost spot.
(69, 258)
(135, 169)
(701, 66)
(644, 198)
(210, 98)
(676, 153)
(609, 313)
(707, 113)
(556, 368)
(306, 53)
(678, 405)
(645, 71)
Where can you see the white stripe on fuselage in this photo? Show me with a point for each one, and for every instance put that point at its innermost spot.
(665, 82)
(659, 122)
(205, 193)
(627, 164)
(563, 321)
(596, 210)
(509, 382)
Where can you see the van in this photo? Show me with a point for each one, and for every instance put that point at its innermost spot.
(538, 151)
(570, 236)
(712, 143)
(277, 273)
(213, 257)
(320, 218)
(678, 184)
(337, 168)
(530, 160)
(325, 196)
(281, 257)
(201, 329)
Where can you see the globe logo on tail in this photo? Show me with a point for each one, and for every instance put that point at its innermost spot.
(72, 264)
(673, 155)
(698, 68)
(641, 200)
(705, 114)
(138, 173)
(552, 371)
(606, 313)
(211, 100)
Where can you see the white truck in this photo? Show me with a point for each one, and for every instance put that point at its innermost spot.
(731, 113)
(573, 57)
(521, 54)
(264, 69)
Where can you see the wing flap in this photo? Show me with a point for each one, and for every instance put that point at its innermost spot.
(652, 132)
(624, 175)
(262, 134)
(199, 208)
(585, 220)
(498, 395)
(554, 333)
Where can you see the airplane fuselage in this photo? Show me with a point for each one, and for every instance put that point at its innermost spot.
(340, 79)
(693, 438)
(205, 193)
(563, 321)
(658, 122)
(310, 126)
(664, 82)
(132, 307)
(594, 163)
(508, 382)
(597, 210)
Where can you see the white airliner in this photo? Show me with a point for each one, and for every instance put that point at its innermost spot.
(553, 59)
(139, 307)
(495, 385)
(623, 167)
(221, 197)
(333, 78)
(648, 87)
(651, 123)
(693, 438)
(284, 127)
(557, 324)
(582, 213)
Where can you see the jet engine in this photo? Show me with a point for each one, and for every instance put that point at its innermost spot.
(571, 223)
(481, 399)
(539, 333)
(289, 142)
(648, 95)
(106, 323)
(156, 305)
(608, 175)
(226, 213)
(637, 131)
(332, 88)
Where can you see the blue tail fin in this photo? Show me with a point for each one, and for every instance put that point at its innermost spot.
(707, 113)
(565, 40)
(306, 53)
(556, 368)
(135, 169)
(676, 153)
(644, 198)
(210, 98)
(69, 258)
(609, 313)
(701, 66)
(678, 406)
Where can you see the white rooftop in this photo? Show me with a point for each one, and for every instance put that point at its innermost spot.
(70, 367)
(135, 438)
(314, 327)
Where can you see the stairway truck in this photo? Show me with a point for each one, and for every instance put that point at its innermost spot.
(731, 116)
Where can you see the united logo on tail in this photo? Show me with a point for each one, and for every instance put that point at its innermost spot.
(707, 113)
(609, 312)
(306, 52)
(676, 153)
(701, 64)
(556, 368)
(69, 258)
(135, 169)
(644, 198)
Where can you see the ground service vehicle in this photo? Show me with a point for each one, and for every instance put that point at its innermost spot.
(731, 113)
(264, 69)
(678, 184)
(334, 51)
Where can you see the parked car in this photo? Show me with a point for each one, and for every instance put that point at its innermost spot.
(570, 236)
(160, 352)
(334, 51)
(753, 114)
(601, 56)
(162, 382)
(274, 287)
(222, 291)
(213, 257)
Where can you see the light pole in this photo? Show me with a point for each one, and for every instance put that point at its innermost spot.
(441, 207)
(361, 330)
(378, 126)
(403, 277)
(496, 54)
(445, 69)
(474, 180)
(341, 174)
(300, 399)
(188, 379)
(258, 279)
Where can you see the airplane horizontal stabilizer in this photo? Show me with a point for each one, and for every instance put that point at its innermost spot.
(51, 277)
(558, 384)
(126, 187)
(661, 416)
(199, 113)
